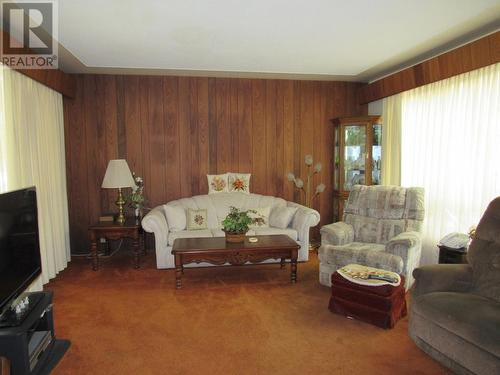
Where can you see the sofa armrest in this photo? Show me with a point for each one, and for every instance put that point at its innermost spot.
(304, 219)
(442, 278)
(156, 222)
(338, 233)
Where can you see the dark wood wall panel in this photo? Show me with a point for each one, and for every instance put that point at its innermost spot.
(474, 55)
(175, 130)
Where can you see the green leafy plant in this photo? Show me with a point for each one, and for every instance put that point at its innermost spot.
(238, 221)
(136, 199)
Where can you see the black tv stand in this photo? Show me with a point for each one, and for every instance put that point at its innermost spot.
(12, 319)
(30, 344)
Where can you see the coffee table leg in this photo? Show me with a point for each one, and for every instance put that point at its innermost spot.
(282, 262)
(178, 272)
(294, 267)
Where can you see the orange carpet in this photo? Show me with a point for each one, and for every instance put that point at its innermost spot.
(225, 320)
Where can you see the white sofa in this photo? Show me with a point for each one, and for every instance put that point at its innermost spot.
(217, 206)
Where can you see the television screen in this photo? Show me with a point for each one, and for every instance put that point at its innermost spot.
(20, 260)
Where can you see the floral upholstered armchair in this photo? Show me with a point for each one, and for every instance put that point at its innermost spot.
(380, 228)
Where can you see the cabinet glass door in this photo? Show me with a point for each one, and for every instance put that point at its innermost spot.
(354, 155)
(376, 153)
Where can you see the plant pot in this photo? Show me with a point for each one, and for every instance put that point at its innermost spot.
(235, 237)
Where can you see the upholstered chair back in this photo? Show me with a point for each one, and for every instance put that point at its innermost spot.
(484, 253)
(379, 213)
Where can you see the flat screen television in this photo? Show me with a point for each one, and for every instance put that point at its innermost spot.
(20, 261)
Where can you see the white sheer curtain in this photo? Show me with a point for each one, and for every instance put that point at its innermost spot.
(391, 141)
(451, 147)
(32, 153)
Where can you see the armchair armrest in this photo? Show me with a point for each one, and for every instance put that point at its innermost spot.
(442, 278)
(402, 243)
(156, 222)
(338, 233)
(407, 245)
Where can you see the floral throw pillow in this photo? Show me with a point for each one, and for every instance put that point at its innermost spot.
(262, 216)
(239, 182)
(196, 219)
(217, 183)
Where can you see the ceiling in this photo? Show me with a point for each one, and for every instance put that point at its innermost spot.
(317, 39)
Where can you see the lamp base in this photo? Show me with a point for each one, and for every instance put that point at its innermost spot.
(120, 202)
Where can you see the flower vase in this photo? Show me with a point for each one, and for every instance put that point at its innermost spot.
(138, 215)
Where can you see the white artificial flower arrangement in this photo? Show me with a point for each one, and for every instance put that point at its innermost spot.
(306, 188)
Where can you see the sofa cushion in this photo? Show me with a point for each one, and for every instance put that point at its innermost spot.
(292, 233)
(221, 202)
(204, 201)
(176, 217)
(217, 183)
(262, 214)
(281, 217)
(196, 219)
(239, 182)
(203, 233)
(473, 318)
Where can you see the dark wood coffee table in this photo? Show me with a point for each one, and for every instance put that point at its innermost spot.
(217, 251)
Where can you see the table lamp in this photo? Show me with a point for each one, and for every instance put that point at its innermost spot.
(118, 176)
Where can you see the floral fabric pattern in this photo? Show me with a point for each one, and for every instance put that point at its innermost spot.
(261, 217)
(239, 182)
(197, 219)
(217, 183)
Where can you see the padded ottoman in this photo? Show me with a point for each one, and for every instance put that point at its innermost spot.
(381, 305)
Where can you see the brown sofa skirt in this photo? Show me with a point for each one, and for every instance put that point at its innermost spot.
(382, 305)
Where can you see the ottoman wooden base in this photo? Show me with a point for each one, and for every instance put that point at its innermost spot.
(382, 305)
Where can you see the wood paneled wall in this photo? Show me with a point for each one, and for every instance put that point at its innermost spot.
(475, 55)
(175, 130)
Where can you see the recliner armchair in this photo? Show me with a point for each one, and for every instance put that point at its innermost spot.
(380, 228)
(455, 308)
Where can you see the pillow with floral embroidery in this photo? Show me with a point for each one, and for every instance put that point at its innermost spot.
(217, 183)
(196, 219)
(239, 182)
(261, 216)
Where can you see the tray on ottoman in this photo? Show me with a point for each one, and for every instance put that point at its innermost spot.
(381, 305)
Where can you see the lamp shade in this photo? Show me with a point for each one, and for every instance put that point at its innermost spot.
(118, 175)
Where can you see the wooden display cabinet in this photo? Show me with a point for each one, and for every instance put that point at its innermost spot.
(356, 156)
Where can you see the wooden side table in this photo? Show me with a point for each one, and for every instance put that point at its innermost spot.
(447, 255)
(114, 231)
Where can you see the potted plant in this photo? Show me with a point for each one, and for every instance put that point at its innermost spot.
(237, 222)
